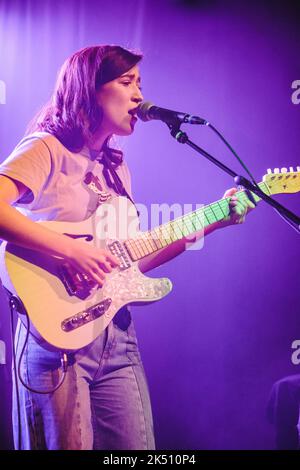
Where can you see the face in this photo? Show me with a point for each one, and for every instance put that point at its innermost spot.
(119, 99)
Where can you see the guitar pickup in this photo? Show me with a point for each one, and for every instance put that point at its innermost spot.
(117, 249)
(86, 316)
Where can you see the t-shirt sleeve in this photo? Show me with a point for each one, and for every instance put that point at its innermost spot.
(30, 164)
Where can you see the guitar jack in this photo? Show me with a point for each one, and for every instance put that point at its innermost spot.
(64, 362)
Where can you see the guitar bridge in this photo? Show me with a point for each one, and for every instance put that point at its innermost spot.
(75, 283)
(81, 318)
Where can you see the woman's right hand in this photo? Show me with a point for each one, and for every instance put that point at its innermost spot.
(92, 262)
(18, 229)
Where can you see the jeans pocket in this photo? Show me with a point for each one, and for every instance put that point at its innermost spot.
(132, 347)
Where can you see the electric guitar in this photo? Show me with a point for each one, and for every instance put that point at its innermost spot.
(66, 309)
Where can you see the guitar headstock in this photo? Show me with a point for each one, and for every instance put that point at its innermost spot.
(283, 180)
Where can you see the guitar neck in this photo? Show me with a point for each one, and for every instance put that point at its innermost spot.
(182, 227)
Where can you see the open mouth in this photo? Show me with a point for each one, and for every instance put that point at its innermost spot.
(133, 113)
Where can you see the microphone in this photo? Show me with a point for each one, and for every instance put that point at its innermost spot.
(147, 111)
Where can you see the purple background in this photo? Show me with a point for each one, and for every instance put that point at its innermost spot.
(213, 348)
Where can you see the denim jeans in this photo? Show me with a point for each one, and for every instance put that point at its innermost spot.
(103, 403)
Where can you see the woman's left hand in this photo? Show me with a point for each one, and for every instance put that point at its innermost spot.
(238, 209)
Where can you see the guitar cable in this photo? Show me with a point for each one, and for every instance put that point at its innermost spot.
(16, 305)
(15, 373)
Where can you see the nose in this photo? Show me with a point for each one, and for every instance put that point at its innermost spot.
(137, 97)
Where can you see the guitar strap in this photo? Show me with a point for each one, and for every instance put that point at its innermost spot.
(112, 178)
(110, 174)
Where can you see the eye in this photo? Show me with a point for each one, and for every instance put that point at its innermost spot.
(128, 83)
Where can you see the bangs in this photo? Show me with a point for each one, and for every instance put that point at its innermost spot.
(115, 62)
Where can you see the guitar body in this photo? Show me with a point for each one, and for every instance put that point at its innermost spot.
(66, 317)
(67, 311)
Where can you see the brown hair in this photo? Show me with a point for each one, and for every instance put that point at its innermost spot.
(72, 113)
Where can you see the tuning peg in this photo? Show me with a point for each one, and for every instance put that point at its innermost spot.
(276, 170)
(291, 169)
(269, 171)
(283, 170)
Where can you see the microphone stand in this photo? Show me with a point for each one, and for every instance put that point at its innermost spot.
(182, 138)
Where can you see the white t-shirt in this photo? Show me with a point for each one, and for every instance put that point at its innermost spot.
(57, 179)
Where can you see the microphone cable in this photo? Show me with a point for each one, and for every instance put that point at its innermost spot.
(233, 152)
(249, 194)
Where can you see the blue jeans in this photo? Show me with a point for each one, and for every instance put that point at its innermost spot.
(103, 403)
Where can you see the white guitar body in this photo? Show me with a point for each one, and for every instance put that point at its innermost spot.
(71, 321)
(68, 312)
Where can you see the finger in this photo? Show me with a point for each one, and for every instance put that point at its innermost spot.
(233, 202)
(248, 207)
(250, 204)
(237, 212)
(96, 278)
(242, 207)
(89, 280)
(114, 261)
(106, 266)
(99, 273)
(230, 192)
